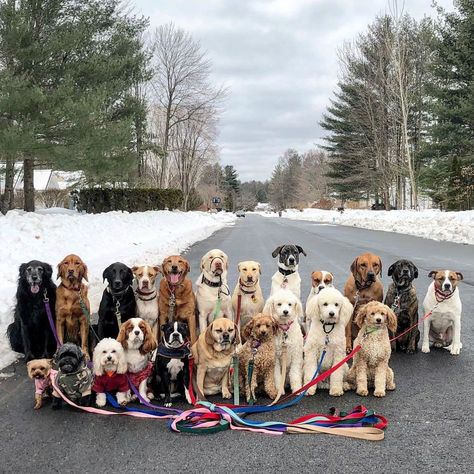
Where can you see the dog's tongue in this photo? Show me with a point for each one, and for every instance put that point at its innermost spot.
(34, 288)
(174, 278)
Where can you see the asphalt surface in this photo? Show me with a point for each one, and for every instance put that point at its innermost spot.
(430, 414)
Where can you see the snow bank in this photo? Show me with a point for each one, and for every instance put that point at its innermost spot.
(431, 224)
(99, 239)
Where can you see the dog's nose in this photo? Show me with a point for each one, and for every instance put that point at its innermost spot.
(331, 313)
(225, 336)
(291, 260)
(109, 357)
(34, 278)
(137, 333)
(320, 287)
(379, 320)
(285, 312)
(117, 283)
(70, 272)
(145, 284)
(218, 264)
(249, 278)
(174, 268)
(447, 286)
(405, 271)
(371, 274)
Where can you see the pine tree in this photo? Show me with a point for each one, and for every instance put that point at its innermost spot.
(450, 153)
(68, 67)
(230, 186)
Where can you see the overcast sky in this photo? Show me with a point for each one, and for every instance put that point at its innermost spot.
(279, 60)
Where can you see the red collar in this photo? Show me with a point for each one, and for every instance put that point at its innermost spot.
(285, 327)
(440, 296)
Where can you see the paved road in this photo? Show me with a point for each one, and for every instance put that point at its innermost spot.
(430, 413)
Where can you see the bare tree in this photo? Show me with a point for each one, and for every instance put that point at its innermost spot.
(181, 85)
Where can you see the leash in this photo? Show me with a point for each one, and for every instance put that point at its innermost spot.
(87, 314)
(235, 377)
(171, 302)
(239, 304)
(47, 307)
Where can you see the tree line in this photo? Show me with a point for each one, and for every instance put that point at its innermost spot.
(84, 85)
(400, 124)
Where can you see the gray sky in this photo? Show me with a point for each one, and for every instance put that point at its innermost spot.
(279, 60)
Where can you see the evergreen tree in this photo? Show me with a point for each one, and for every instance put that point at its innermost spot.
(66, 77)
(230, 186)
(450, 153)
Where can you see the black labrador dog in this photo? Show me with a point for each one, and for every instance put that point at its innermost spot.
(118, 300)
(401, 297)
(30, 332)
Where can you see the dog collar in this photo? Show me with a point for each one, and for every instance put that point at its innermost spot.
(119, 294)
(441, 296)
(142, 293)
(285, 327)
(241, 285)
(213, 284)
(285, 272)
(362, 286)
(173, 352)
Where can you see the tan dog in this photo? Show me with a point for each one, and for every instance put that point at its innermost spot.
(146, 294)
(177, 301)
(260, 334)
(362, 286)
(370, 367)
(72, 324)
(248, 287)
(39, 370)
(213, 355)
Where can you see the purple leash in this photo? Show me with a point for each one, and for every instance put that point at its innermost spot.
(50, 318)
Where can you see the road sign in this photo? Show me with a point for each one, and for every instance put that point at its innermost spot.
(216, 200)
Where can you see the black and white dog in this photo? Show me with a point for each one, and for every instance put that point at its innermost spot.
(118, 300)
(287, 275)
(171, 362)
(30, 332)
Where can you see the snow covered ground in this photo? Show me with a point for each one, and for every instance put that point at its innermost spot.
(431, 224)
(99, 239)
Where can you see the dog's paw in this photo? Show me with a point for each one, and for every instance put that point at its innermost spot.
(391, 386)
(38, 405)
(425, 348)
(379, 393)
(311, 391)
(362, 392)
(145, 399)
(336, 392)
(150, 395)
(455, 349)
(346, 386)
(226, 393)
(100, 403)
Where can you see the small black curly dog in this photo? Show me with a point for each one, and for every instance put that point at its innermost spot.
(30, 332)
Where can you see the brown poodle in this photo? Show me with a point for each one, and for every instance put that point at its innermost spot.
(370, 367)
(259, 333)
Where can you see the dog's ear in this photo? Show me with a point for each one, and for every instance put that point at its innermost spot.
(106, 274)
(354, 265)
(460, 276)
(122, 362)
(346, 311)
(392, 321)
(157, 268)
(312, 310)
(84, 272)
(299, 309)
(203, 262)
(163, 327)
(247, 331)
(380, 266)
(48, 270)
(415, 270)
(97, 366)
(188, 266)
(259, 269)
(149, 343)
(360, 316)
(237, 335)
(391, 268)
(432, 273)
(238, 267)
(301, 250)
(122, 335)
(208, 335)
(268, 307)
(134, 268)
(22, 269)
(164, 272)
(60, 270)
(277, 251)
(129, 276)
(275, 326)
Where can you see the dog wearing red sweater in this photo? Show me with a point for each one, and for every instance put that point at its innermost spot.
(110, 368)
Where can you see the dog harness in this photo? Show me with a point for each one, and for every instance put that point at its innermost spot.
(41, 385)
(110, 382)
(173, 352)
(136, 378)
(76, 384)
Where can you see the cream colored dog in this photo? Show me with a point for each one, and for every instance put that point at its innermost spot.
(248, 287)
(212, 354)
(211, 284)
(285, 307)
(329, 312)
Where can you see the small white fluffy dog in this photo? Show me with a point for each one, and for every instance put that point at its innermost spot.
(443, 327)
(138, 341)
(110, 367)
(285, 307)
(329, 311)
(248, 287)
(320, 279)
(211, 283)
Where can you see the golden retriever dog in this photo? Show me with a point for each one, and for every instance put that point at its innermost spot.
(260, 334)
(212, 284)
(248, 288)
(370, 367)
(362, 286)
(72, 325)
(212, 354)
(176, 289)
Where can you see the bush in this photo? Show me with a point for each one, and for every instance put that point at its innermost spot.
(95, 200)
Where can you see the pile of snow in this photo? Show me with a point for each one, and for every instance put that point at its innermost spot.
(431, 224)
(99, 239)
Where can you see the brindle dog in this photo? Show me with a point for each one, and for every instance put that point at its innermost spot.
(401, 297)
